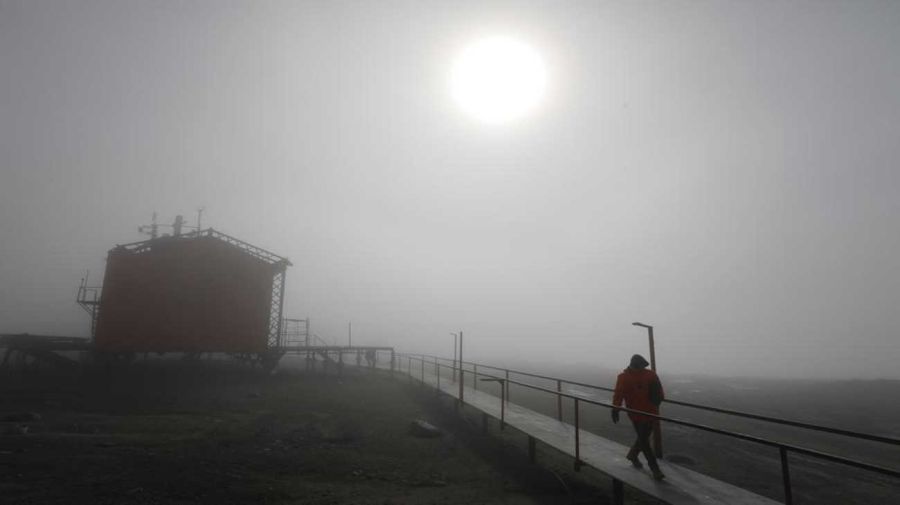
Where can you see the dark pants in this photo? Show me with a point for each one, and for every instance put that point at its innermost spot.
(644, 429)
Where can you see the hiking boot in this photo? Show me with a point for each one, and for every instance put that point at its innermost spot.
(635, 462)
(658, 475)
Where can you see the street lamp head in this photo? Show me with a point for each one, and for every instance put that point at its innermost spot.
(642, 325)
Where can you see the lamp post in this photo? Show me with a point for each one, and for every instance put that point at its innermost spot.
(454, 354)
(652, 347)
(657, 433)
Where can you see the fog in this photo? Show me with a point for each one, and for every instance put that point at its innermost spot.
(724, 171)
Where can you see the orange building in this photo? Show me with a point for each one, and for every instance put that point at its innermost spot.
(200, 292)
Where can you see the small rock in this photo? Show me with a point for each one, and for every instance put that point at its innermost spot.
(423, 429)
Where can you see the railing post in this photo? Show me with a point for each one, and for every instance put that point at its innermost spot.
(423, 370)
(577, 439)
(409, 367)
(474, 376)
(786, 477)
(455, 349)
(437, 372)
(462, 380)
(559, 400)
(502, 404)
(506, 384)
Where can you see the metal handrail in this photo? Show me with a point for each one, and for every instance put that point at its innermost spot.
(742, 436)
(316, 337)
(783, 448)
(709, 408)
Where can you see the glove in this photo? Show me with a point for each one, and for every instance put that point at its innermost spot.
(614, 413)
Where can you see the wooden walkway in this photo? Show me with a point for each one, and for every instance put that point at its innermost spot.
(681, 486)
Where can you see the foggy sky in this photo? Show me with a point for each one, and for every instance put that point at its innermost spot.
(726, 171)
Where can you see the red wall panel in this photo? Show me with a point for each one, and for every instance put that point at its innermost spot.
(185, 294)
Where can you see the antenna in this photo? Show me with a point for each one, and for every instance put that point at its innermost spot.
(150, 229)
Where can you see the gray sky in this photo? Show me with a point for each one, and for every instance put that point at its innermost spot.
(726, 171)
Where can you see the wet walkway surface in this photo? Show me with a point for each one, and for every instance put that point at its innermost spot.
(681, 486)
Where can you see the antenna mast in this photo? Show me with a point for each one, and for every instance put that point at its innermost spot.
(150, 229)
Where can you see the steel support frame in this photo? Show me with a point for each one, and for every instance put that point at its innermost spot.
(618, 491)
(276, 308)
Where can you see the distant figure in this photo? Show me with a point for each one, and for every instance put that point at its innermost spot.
(641, 390)
(370, 357)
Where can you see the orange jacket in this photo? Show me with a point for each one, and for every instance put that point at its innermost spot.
(633, 385)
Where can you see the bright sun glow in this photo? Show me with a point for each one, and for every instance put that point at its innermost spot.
(498, 79)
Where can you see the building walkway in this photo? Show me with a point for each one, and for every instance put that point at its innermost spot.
(681, 486)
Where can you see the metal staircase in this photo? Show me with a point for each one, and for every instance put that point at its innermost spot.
(88, 298)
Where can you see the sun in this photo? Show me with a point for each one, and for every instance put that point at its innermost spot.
(498, 79)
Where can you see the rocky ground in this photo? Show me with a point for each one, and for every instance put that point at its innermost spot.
(173, 432)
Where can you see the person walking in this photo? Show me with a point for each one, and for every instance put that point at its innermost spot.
(641, 389)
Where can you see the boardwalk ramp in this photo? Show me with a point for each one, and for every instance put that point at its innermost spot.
(681, 486)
